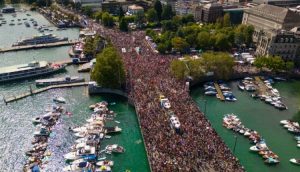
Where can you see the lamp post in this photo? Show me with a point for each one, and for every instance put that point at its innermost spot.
(235, 137)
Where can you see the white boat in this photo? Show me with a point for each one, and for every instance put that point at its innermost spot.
(76, 167)
(81, 134)
(259, 147)
(95, 118)
(295, 161)
(105, 162)
(114, 148)
(210, 93)
(59, 100)
(71, 156)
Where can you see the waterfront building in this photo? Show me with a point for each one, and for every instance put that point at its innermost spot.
(272, 33)
(208, 13)
(92, 3)
(134, 9)
(281, 3)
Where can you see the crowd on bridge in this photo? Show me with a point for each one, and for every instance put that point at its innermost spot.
(198, 147)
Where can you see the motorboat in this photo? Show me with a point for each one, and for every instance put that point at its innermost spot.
(210, 93)
(59, 100)
(115, 129)
(42, 132)
(259, 147)
(105, 162)
(77, 167)
(272, 161)
(297, 138)
(279, 79)
(241, 86)
(250, 87)
(114, 148)
(295, 161)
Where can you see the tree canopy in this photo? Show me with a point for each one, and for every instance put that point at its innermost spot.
(158, 8)
(123, 25)
(275, 64)
(221, 64)
(107, 19)
(109, 69)
(152, 15)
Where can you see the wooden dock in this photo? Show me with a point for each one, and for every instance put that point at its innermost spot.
(37, 91)
(66, 61)
(219, 91)
(262, 88)
(86, 67)
(28, 47)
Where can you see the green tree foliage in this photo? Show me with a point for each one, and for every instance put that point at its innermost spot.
(244, 34)
(152, 15)
(109, 69)
(226, 20)
(123, 25)
(180, 44)
(121, 13)
(275, 63)
(221, 64)
(98, 16)
(203, 40)
(91, 46)
(222, 42)
(140, 19)
(179, 69)
(107, 19)
(158, 9)
(87, 10)
(167, 12)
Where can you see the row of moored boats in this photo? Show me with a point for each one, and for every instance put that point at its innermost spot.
(292, 127)
(231, 121)
(270, 95)
(211, 90)
(38, 155)
(86, 153)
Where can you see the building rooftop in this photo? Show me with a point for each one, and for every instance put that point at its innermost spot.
(135, 7)
(272, 12)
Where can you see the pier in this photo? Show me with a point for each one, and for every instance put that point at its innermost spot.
(219, 91)
(261, 86)
(37, 91)
(86, 67)
(28, 47)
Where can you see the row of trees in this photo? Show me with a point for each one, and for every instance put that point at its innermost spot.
(219, 63)
(159, 12)
(275, 64)
(181, 33)
(109, 70)
(92, 46)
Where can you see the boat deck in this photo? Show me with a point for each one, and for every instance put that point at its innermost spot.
(219, 91)
(28, 47)
(37, 91)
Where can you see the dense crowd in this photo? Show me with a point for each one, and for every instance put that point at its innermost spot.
(198, 147)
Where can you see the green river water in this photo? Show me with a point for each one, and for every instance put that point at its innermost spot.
(16, 129)
(258, 116)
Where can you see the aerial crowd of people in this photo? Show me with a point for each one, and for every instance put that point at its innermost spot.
(198, 147)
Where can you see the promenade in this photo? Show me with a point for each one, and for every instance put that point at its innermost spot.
(198, 148)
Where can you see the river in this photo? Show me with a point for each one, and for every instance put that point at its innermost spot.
(258, 116)
(16, 129)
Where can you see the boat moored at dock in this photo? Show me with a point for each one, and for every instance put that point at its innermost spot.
(40, 39)
(57, 81)
(32, 69)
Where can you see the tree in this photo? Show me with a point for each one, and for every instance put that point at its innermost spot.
(123, 25)
(152, 15)
(109, 69)
(121, 13)
(180, 44)
(167, 12)
(107, 19)
(203, 40)
(179, 69)
(98, 16)
(289, 65)
(226, 20)
(87, 10)
(222, 42)
(221, 64)
(158, 9)
(140, 19)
